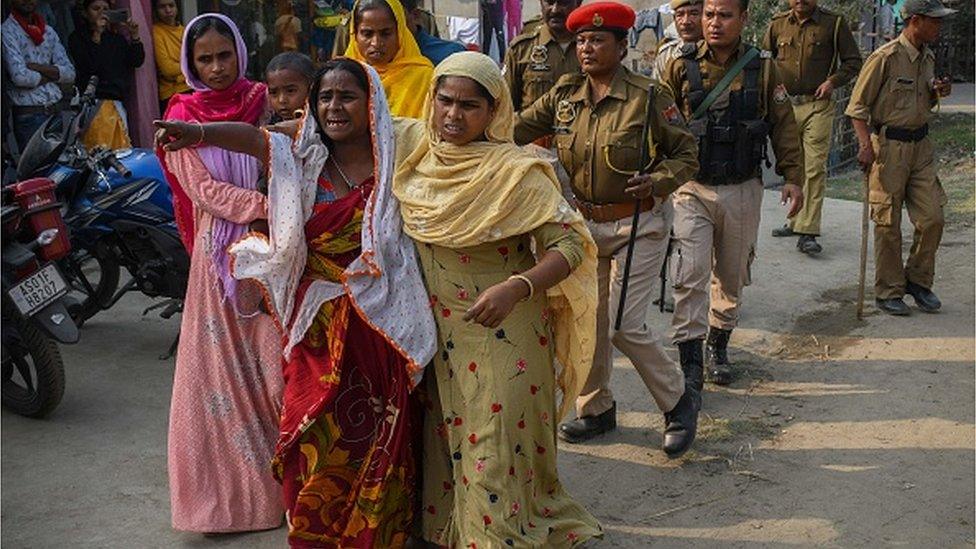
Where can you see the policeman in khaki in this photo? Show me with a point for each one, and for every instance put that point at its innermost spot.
(815, 54)
(890, 109)
(687, 22)
(596, 118)
(539, 56)
(716, 215)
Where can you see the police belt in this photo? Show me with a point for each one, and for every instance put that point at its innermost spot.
(604, 213)
(802, 99)
(903, 134)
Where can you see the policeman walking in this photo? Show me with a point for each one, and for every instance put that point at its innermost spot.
(541, 54)
(734, 98)
(687, 21)
(890, 109)
(597, 120)
(815, 54)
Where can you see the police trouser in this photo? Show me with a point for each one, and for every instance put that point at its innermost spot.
(715, 230)
(904, 173)
(660, 374)
(815, 121)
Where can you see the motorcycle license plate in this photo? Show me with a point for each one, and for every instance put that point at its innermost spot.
(38, 290)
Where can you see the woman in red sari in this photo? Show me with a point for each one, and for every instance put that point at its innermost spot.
(353, 352)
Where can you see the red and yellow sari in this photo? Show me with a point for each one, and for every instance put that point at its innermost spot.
(345, 454)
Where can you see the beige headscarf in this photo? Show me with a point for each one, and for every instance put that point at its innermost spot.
(485, 191)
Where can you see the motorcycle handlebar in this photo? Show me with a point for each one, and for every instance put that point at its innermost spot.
(114, 163)
(89, 92)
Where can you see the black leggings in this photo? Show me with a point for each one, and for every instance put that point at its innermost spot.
(493, 23)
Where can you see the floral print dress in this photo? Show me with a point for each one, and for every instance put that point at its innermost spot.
(490, 475)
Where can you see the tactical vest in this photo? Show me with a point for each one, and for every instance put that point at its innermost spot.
(731, 143)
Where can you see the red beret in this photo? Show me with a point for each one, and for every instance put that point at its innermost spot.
(608, 16)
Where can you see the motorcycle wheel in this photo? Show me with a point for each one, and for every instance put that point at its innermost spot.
(31, 372)
(101, 271)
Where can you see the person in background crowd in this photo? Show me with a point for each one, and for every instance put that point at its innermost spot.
(167, 33)
(36, 64)
(100, 50)
(382, 40)
(492, 15)
(890, 108)
(688, 25)
(474, 203)
(816, 54)
(432, 47)
(542, 54)
(597, 116)
(288, 76)
(287, 28)
(227, 387)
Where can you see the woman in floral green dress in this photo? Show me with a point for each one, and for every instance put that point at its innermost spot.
(510, 269)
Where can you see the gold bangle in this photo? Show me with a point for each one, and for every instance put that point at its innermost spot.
(528, 283)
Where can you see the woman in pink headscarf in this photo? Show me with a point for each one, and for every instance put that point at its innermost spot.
(228, 384)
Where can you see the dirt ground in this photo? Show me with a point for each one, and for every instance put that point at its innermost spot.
(840, 432)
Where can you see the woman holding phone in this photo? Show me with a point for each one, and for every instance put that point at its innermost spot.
(98, 48)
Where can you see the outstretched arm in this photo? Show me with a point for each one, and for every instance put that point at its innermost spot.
(173, 135)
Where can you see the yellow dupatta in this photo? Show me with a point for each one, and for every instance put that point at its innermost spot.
(408, 75)
(461, 196)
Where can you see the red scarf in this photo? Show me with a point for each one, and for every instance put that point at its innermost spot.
(33, 25)
(243, 101)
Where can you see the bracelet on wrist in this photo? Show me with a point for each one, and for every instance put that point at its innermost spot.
(203, 134)
(527, 282)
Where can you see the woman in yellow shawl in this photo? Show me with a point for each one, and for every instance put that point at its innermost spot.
(382, 39)
(167, 32)
(474, 204)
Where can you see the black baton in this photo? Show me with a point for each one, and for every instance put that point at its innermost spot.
(645, 159)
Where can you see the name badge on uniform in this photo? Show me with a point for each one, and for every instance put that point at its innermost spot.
(565, 115)
(904, 80)
(539, 59)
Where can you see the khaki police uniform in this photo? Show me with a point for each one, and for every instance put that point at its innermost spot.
(666, 52)
(808, 53)
(599, 145)
(534, 62)
(716, 225)
(894, 95)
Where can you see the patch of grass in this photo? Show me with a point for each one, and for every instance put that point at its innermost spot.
(954, 140)
(724, 430)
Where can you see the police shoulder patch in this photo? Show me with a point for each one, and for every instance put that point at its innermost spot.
(780, 94)
(673, 115)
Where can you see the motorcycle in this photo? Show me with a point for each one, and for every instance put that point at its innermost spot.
(34, 301)
(119, 208)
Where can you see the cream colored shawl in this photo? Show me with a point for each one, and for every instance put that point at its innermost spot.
(485, 191)
(384, 282)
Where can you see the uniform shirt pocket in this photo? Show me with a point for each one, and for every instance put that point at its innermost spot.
(621, 152)
(536, 84)
(564, 150)
(903, 92)
(785, 48)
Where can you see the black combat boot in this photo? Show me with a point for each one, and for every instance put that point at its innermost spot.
(681, 423)
(717, 356)
(587, 427)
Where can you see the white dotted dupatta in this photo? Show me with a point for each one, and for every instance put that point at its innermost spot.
(383, 282)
